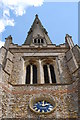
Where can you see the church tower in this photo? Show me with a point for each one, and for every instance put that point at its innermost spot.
(39, 80)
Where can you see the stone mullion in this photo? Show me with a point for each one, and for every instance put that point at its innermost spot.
(36, 40)
(40, 40)
(31, 75)
(41, 76)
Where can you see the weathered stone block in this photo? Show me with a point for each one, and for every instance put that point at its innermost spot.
(2, 54)
(5, 77)
(10, 55)
(8, 66)
(76, 52)
(72, 65)
(68, 55)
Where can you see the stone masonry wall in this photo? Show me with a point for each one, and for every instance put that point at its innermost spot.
(16, 100)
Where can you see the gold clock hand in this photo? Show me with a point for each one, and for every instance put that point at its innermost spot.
(43, 103)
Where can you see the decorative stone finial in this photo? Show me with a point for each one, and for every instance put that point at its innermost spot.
(9, 37)
(67, 35)
(8, 42)
(69, 41)
(36, 15)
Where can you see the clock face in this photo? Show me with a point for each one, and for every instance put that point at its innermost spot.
(43, 106)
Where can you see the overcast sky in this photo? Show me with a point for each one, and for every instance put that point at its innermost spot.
(59, 18)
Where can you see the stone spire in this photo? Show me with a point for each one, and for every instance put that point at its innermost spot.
(37, 31)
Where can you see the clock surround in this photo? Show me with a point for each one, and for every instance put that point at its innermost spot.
(42, 104)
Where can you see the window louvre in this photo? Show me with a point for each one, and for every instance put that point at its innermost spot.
(46, 77)
(34, 74)
(52, 74)
(28, 74)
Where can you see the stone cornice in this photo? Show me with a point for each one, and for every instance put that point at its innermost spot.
(53, 84)
(38, 50)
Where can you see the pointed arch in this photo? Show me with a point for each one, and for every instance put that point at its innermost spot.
(49, 73)
(31, 74)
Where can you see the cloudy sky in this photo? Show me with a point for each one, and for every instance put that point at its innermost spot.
(59, 18)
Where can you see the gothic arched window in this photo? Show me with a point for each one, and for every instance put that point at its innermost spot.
(31, 74)
(49, 74)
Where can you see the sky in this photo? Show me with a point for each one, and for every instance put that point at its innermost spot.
(59, 18)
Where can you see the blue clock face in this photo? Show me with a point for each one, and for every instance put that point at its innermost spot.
(43, 106)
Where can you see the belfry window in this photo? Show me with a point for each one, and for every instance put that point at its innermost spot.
(38, 41)
(49, 75)
(35, 41)
(31, 74)
(42, 41)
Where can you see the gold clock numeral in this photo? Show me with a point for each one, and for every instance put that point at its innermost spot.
(42, 111)
(39, 110)
(50, 108)
(35, 108)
